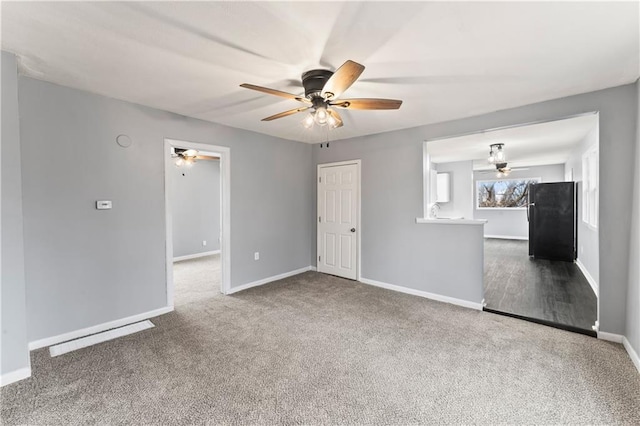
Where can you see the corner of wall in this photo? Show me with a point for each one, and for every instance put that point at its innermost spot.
(13, 318)
(632, 324)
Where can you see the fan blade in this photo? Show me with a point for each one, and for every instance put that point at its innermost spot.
(336, 117)
(206, 157)
(370, 103)
(286, 113)
(342, 79)
(275, 92)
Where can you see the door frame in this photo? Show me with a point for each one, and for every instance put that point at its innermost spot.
(358, 164)
(225, 211)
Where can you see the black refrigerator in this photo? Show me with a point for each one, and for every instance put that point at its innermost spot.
(552, 221)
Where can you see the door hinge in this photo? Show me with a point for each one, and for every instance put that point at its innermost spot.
(320, 179)
(319, 218)
(319, 258)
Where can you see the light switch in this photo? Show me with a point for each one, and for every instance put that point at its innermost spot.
(103, 205)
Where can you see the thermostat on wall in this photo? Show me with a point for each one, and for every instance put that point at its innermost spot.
(103, 205)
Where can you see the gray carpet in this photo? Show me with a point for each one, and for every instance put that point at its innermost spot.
(315, 349)
(196, 280)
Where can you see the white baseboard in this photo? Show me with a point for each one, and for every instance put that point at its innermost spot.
(632, 353)
(592, 282)
(14, 376)
(268, 280)
(196, 255)
(432, 296)
(619, 338)
(610, 337)
(48, 341)
(312, 268)
(507, 237)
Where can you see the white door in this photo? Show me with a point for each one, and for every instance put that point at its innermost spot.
(338, 203)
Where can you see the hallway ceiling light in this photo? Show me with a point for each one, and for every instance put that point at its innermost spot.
(186, 157)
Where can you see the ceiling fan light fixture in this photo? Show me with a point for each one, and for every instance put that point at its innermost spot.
(323, 88)
(185, 157)
(308, 121)
(496, 153)
(331, 121)
(321, 116)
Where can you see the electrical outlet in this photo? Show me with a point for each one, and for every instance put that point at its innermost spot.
(204, 243)
(256, 255)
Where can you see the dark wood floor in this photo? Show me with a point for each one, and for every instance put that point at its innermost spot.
(547, 290)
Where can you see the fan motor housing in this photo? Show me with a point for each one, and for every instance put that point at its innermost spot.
(313, 82)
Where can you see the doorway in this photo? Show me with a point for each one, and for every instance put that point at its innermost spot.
(338, 236)
(536, 188)
(197, 198)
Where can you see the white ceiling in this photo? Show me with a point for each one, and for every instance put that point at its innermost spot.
(445, 60)
(525, 146)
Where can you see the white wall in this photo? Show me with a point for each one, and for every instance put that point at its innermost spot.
(13, 321)
(461, 201)
(512, 223)
(588, 242)
(195, 207)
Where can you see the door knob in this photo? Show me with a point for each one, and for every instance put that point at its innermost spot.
(353, 229)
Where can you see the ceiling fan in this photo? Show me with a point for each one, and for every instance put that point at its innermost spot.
(189, 156)
(498, 157)
(322, 88)
(502, 170)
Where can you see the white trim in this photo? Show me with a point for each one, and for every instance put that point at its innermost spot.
(632, 353)
(269, 279)
(312, 268)
(358, 163)
(48, 341)
(446, 299)
(225, 217)
(507, 237)
(587, 275)
(610, 337)
(94, 339)
(14, 376)
(195, 255)
(452, 221)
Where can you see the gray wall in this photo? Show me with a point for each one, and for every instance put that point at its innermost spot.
(195, 207)
(110, 264)
(588, 245)
(461, 189)
(392, 190)
(13, 340)
(633, 295)
(441, 259)
(513, 223)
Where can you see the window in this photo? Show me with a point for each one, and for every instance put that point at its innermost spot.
(590, 184)
(503, 194)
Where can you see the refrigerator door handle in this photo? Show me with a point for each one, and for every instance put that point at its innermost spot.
(528, 208)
